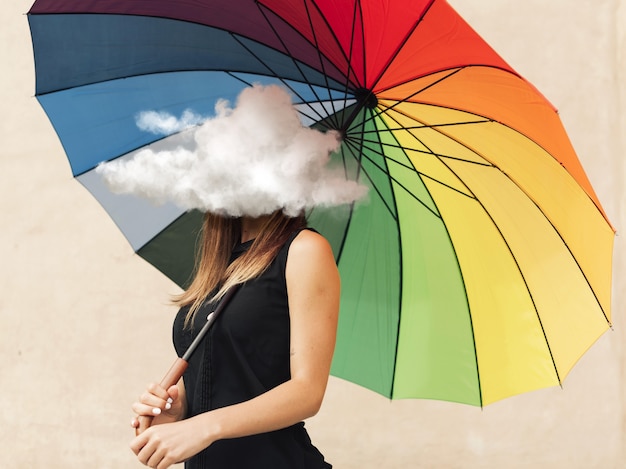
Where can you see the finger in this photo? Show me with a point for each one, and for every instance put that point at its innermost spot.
(154, 400)
(173, 392)
(138, 443)
(157, 390)
(164, 464)
(140, 424)
(155, 459)
(150, 455)
(145, 446)
(144, 456)
(144, 423)
(148, 410)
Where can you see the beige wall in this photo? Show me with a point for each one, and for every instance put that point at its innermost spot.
(84, 324)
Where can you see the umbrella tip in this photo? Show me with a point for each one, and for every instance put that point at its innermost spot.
(366, 98)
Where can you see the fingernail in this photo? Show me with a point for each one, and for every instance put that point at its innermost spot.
(168, 406)
(132, 422)
(156, 411)
(170, 400)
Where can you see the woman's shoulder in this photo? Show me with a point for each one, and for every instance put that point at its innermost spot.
(311, 269)
(308, 238)
(308, 245)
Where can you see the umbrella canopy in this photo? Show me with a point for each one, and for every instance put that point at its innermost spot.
(480, 265)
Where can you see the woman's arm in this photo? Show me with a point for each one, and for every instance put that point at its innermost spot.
(313, 289)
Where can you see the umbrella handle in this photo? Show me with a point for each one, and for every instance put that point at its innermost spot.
(180, 364)
(171, 378)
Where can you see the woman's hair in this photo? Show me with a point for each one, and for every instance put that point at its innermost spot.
(220, 234)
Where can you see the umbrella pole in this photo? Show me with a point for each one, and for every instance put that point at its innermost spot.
(179, 366)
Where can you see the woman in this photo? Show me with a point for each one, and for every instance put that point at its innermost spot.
(264, 366)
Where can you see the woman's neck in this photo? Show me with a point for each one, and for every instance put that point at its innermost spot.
(251, 227)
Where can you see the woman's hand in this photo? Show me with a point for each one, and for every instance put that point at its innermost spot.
(160, 446)
(164, 406)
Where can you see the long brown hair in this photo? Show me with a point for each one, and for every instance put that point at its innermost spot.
(220, 234)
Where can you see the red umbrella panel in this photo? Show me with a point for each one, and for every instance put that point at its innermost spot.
(479, 267)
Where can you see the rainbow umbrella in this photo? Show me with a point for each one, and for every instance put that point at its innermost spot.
(480, 265)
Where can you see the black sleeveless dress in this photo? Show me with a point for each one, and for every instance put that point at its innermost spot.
(246, 353)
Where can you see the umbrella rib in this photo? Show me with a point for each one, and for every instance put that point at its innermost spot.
(432, 126)
(406, 99)
(439, 155)
(293, 59)
(359, 169)
(358, 6)
(404, 41)
(389, 209)
(350, 71)
(321, 61)
(334, 36)
(317, 48)
(400, 287)
(400, 268)
(424, 126)
(136, 148)
(403, 148)
(318, 118)
(412, 168)
(453, 71)
(400, 184)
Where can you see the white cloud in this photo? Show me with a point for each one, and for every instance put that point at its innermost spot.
(250, 160)
(163, 123)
